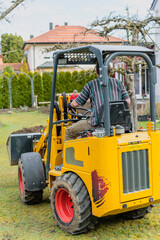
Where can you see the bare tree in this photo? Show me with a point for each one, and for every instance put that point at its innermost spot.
(10, 9)
(137, 33)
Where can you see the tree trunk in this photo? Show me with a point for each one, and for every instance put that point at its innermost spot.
(133, 106)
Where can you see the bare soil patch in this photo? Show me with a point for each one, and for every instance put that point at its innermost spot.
(34, 129)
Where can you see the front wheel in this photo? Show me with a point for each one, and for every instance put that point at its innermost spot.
(71, 204)
(27, 197)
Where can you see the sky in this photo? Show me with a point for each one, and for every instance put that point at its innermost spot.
(33, 16)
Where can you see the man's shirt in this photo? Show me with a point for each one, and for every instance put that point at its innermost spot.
(93, 91)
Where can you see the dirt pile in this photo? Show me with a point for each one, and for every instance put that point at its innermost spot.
(44, 109)
(34, 129)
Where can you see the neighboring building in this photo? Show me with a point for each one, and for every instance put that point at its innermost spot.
(36, 47)
(156, 8)
(16, 66)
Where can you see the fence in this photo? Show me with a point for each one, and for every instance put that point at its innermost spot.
(19, 90)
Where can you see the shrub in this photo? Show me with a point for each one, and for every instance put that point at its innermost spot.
(60, 82)
(80, 82)
(1, 91)
(67, 82)
(38, 87)
(5, 93)
(24, 66)
(15, 90)
(24, 90)
(75, 76)
(47, 85)
(9, 69)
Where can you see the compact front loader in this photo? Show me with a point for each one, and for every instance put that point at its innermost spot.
(106, 171)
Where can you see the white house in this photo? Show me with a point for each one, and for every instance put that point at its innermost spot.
(156, 8)
(61, 35)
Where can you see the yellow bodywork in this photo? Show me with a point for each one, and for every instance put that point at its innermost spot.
(98, 162)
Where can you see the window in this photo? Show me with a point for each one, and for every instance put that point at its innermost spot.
(142, 83)
(118, 75)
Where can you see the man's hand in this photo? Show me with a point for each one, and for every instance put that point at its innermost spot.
(69, 105)
(74, 104)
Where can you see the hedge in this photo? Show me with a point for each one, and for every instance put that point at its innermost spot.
(47, 85)
(5, 92)
(21, 86)
(1, 91)
(15, 90)
(38, 87)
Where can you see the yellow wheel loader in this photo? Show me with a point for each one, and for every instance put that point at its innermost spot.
(105, 171)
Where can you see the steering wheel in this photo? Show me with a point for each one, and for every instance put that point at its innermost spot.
(75, 114)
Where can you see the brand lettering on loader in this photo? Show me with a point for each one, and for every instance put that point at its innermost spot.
(100, 186)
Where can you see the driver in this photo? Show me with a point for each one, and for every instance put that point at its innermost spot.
(92, 90)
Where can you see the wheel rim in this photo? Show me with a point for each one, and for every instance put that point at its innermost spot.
(64, 205)
(20, 182)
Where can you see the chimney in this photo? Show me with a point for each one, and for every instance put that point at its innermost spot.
(50, 26)
(31, 36)
(56, 26)
(66, 23)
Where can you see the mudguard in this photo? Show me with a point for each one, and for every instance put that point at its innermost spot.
(33, 171)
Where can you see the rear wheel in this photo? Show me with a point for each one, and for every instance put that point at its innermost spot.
(71, 204)
(27, 197)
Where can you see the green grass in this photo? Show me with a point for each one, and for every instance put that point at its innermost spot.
(33, 222)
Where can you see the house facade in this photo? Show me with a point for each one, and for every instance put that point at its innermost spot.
(61, 36)
(155, 7)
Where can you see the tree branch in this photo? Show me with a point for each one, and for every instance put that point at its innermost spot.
(10, 9)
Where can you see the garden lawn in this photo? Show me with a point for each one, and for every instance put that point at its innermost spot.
(33, 222)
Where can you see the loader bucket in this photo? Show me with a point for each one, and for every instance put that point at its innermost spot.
(20, 143)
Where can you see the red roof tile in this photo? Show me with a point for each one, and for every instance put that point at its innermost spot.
(68, 34)
(16, 66)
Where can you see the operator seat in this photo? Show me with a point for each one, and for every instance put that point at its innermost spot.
(120, 115)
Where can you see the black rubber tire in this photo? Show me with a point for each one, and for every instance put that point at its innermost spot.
(137, 214)
(82, 219)
(27, 197)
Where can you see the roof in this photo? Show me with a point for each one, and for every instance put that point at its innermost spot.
(48, 64)
(153, 4)
(72, 34)
(16, 66)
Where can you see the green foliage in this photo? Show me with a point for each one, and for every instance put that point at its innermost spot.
(24, 90)
(75, 76)
(1, 91)
(60, 84)
(15, 90)
(12, 48)
(30, 74)
(80, 82)
(67, 80)
(38, 86)
(9, 69)
(21, 86)
(5, 93)
(47, 85)
(24, 67)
